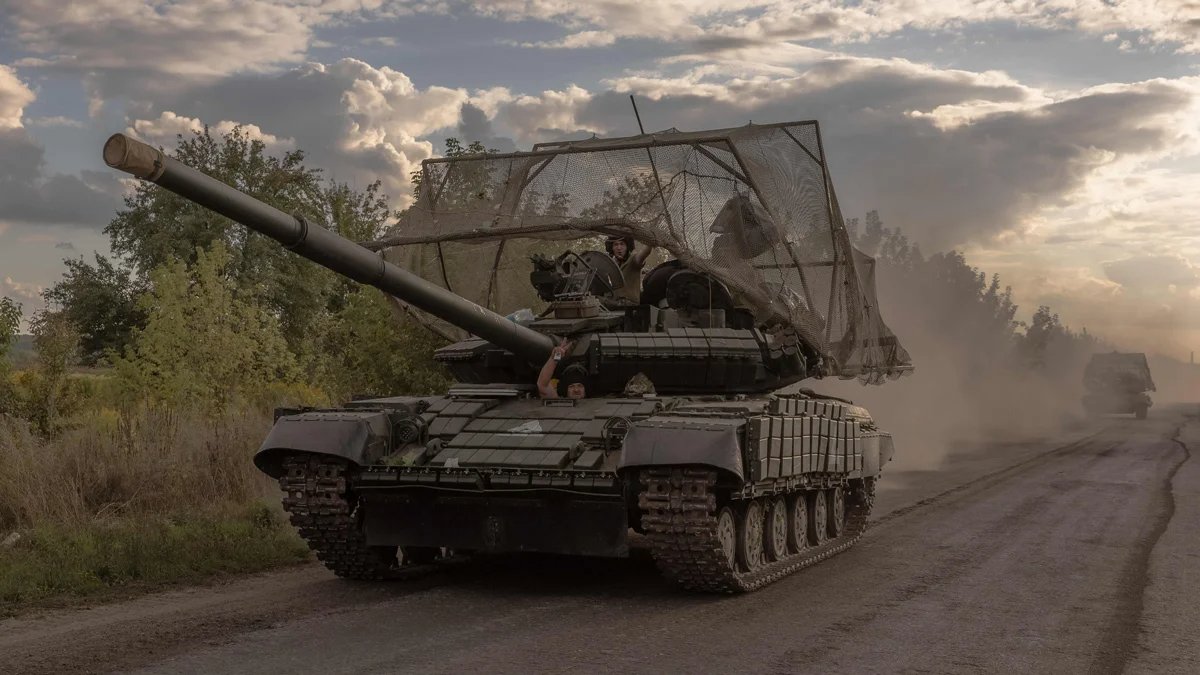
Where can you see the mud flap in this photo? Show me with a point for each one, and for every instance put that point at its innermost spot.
(658, 443)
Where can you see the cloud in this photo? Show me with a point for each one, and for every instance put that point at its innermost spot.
(952, 156)
(54, 121)
(28, 193)
(551, 114)
(583, 39)
(708, 24)
(1139, 313)
(844, 22)
(474, 125)
(126, 48)
(382, 40)
(358, 122)
(1153, 273)
(14, 96)
(186, 38)
(131, 48)
(663, 19)
(164, 130)
(25, 293)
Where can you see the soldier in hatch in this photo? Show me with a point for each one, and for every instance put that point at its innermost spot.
(631, 256)
(572, 383)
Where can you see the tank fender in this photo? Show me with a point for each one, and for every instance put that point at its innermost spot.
(361, 437)
(887, 449)
(658, 442)
(877, 450)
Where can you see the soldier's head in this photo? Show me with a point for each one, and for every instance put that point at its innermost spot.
(618, 247)
(573, 382)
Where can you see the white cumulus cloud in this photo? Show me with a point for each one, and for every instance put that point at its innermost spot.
(164, 129)
(14, 96)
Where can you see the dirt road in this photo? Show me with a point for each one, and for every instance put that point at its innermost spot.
(1074, 554)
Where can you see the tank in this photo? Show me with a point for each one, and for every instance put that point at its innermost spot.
(1117, 383)
(692, 437)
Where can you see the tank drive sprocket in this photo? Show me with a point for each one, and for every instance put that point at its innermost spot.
(317, 498)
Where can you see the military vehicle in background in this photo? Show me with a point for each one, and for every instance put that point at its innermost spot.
(1117, 383)
(682, 436)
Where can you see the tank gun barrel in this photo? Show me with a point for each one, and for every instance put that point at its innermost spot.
(322, 246)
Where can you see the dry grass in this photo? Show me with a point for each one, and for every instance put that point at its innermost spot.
(148, 497)
(113, 466)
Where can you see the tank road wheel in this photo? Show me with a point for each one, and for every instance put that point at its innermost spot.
(837, 511)
(705, 540)
(750, 536)
(818, 517)
(798, 523)
(776, 539)
(727, 534)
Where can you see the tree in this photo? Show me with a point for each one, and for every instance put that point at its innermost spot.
(454, 148)
(51, 398)
(10, 323)
(868, 242)
(367, 353)
(202, 345)
(158, 227)
(100, 300)
(1043, 327)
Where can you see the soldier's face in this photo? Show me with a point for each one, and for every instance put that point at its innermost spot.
(619, 249)
(576, 390)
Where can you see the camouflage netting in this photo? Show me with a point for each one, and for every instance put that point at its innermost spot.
(752, 206)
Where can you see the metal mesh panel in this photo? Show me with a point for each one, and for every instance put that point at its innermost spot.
(753, 206)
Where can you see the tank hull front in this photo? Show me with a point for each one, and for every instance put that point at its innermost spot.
(511, 474)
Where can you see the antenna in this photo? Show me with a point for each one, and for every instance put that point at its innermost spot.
(653, 167)
(635, 114)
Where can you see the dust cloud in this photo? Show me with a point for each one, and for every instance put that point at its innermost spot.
(1176, 381)
(977, 380)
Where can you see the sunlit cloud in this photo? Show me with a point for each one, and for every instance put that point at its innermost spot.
(164, 129)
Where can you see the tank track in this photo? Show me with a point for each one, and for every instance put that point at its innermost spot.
(680, 512)
(316, 497)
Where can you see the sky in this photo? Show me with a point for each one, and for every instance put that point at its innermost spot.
(1054, 142)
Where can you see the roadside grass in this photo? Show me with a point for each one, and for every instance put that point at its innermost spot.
(130, 498)
(52, 563)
